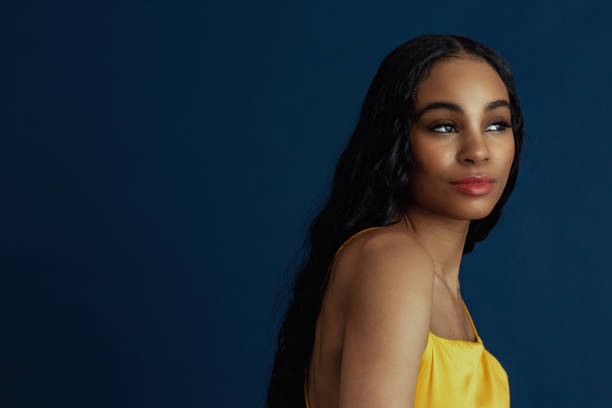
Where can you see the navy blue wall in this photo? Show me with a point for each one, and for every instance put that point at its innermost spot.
(160, 160)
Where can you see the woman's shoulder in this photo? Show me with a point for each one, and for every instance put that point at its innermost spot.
(382, 259)
(383, 245)
(387, 309)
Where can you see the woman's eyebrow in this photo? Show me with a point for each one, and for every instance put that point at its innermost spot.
(454, 107)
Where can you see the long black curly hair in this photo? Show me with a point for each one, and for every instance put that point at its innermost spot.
(369, 189)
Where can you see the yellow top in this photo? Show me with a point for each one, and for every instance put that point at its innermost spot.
(454, 373)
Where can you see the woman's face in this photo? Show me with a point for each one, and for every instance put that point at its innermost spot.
(461, 128)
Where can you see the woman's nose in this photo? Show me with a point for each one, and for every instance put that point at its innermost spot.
(474, 148)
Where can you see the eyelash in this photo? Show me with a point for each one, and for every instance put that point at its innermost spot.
(504, 125)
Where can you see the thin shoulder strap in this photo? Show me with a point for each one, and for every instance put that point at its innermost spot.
(471, 321)
(305, 389)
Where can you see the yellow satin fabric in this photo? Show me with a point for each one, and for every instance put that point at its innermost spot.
(459, 373)
(454, 373)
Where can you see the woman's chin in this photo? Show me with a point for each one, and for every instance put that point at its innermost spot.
(472, 213)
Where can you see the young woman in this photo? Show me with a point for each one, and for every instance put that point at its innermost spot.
(377, 319)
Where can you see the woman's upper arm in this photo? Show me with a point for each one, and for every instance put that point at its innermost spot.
(388, 311)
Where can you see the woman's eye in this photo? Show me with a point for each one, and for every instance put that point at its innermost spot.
(498, 126)
(443, 128)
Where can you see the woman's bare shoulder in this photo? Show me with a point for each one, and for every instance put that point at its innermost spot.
(387, 311)
(388, 248)
(382, 259)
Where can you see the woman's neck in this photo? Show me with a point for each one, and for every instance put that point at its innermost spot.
(443, 237)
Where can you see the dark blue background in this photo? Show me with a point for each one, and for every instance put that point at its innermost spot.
(160, 162)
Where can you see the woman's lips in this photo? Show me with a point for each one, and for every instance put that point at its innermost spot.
(474, 185)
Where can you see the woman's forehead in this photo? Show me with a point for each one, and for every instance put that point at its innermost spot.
(462, 81)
